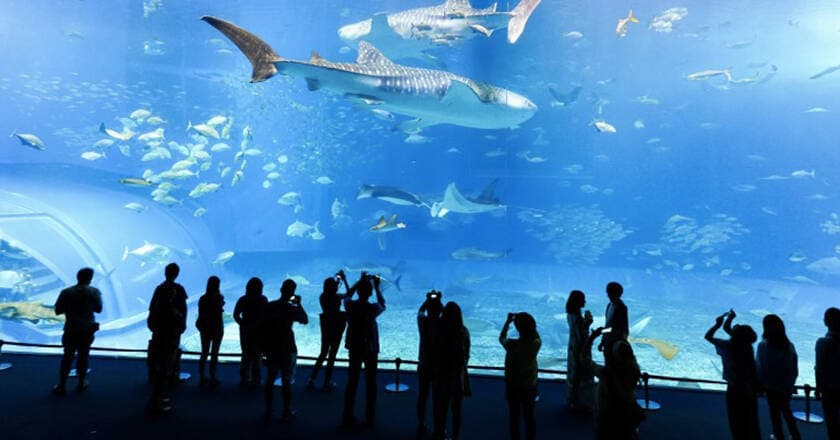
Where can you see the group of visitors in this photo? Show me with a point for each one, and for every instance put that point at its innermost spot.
(267, 337)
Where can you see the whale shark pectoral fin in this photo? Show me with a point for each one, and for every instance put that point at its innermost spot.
(521, 13)
(481, 30)
(258, 52)
(313, 84)
(364, 99)
(414, 126)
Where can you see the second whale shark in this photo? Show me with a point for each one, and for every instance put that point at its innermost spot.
(430, 96)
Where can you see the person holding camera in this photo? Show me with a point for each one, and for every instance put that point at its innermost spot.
(580, 383)
(167, 320)
(78, 303)
(521, 372)
(333, 322)
(247, 313)
(362, 342)
(739, 372)
(451, 380)
(278, 344)
(428, 326)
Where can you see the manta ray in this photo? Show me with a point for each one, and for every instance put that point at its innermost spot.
(454, 201)
(389, 194)
(410, 33)
(430, 96)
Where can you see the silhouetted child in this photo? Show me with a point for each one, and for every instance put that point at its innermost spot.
(451, 379)
(247, 314)
(333, 321)
(617, 414)
(211, 328)
(362, 342)
(78, 304)
(278, 343)
(521, 372)
(615, 319)
(428, 326)
(580, 382)
(167, 320)
(777, 367)
(739, 372)
(828, 372)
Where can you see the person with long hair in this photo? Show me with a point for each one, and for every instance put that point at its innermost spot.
(739, 372)
(451, 380)
(827, 371)
(248, 313)
(580, 381)
(617, 414)
(333, 321)
(776, 363)
(211, 328)
(521, 372)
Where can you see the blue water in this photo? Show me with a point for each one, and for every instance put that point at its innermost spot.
(680, 204)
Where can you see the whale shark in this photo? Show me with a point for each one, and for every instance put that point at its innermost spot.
(411, 33)
(390, 195)
(430, 96)
(454, 201)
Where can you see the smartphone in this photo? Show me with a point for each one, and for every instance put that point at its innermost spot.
(606, 330)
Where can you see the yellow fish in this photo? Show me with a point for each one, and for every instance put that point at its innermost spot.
(665, 348)
(621, 28)
(387, 225)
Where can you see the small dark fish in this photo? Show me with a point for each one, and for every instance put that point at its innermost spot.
(825, 72)
(565, 99)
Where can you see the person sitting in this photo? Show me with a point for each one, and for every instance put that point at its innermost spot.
(333, 321)
(580, 383)
(247, 313)
(78, 303)
(827, 371)
(521, 372)
(739, 372)
(451, 379)
(211, 328)
(278, 344)
(777, 367)
(428, 326)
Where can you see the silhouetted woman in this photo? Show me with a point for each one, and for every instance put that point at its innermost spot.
(736, 354)
(521, 372)
(247, 313)
(333, 321)
(777, 366)
(617, 414)
(580, 382)
(211, 328)
(451, 382)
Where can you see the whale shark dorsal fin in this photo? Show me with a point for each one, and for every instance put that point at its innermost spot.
(316, 58)
(371, 55)
(457, 5)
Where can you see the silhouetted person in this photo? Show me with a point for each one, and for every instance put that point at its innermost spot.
(362, 342)
(580, 382)
(451, 380)
(167, 320)
(777, 367)
(739, 372)
(615, 319)
(617, 414)
(828, 372)
(211, 327)
(247, 314)
(333, 321)
(278, 343)
(78, 304)
(521, 372)
(428, 327)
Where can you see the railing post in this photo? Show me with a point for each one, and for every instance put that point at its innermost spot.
(646, 403)
(397, 387)
(808, 416)
(4, 365)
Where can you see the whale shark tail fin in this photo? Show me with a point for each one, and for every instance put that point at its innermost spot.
(521, 13)
(258, 52)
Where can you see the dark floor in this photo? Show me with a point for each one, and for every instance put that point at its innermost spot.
(113, 409)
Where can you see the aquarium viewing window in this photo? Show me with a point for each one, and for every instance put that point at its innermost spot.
(504, 154)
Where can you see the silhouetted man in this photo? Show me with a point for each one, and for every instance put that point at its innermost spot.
(167, 320)
(828, 372)
(362, 342)
(428, 325)
(278, 344)
(615, 319)
(78, 304)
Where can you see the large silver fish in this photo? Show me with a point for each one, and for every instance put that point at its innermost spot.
(430, 96)
(410, 33)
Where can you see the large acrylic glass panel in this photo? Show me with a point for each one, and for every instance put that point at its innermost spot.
(690, 156)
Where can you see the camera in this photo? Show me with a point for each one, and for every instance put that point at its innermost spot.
(294, 300)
